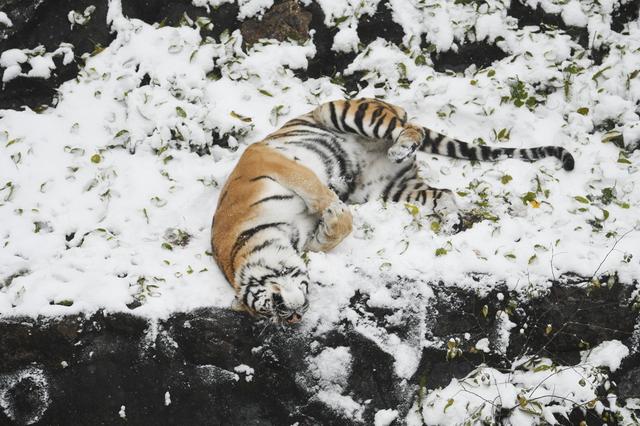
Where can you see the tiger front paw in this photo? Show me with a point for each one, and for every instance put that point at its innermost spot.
(335, 224)
(406, 144)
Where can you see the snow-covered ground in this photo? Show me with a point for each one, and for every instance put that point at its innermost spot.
(106, 199)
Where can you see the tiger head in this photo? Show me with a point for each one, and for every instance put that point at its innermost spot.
(280, 295)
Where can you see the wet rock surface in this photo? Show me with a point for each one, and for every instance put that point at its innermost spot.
(186, 368)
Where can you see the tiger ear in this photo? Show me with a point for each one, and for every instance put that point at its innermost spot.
(237, 305)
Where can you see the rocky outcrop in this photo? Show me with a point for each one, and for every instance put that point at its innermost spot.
(214, 366)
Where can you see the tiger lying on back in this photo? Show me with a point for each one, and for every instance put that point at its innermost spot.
(287, 194)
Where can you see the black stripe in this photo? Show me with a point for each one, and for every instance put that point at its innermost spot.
(339, 154)
(295, 237)
(262, 245)
(394, 180)
(391, 127)
(377, 127)
(464, 150)
(488, 153)
(253, 292)
(359, 117)
(375, 115)
(294, 122)
(535, 153)
(343, 119)
(246, 235)
(312, 146)
(436, 196)
(273, 197)
(398, 194)
(334, 117)
(423, 195)
(451, 149)
(434, 142)
(261, 177)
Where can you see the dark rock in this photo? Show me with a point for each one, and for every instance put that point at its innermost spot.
(625, 13)
(174, 13)
(45, 22)
(122, 359)
(580, 318)
(481, 54)
(285, 20)
(627, 378)
(326, 62)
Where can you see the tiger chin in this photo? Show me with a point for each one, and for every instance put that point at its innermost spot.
(289, 193)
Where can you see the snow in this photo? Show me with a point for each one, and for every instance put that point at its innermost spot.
(251, 8)
(483, 345)
(385, 417)
(331, 368)
(531, 393)
(167, 399)
(40, 61)
(607, 354)
(573, 15)
(246, 370)
(5, 20)
(107, 204)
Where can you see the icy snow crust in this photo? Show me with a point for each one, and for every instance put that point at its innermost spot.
(106, 200)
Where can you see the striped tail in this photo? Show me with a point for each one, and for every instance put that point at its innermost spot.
(436, 143)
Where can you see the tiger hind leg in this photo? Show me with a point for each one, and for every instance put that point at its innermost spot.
(373, 119)
(334, 226)
(407, 186)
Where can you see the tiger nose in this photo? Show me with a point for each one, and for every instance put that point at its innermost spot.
(294, 318)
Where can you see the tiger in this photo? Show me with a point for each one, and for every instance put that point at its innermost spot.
(288, 194)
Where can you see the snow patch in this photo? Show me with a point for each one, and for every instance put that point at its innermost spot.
(607, 354)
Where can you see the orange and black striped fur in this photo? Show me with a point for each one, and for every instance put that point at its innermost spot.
(287, 193)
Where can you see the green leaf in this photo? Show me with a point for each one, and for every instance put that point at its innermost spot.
(96, 158)
(448, 404)
(264, 92)
(341, 19)
(412, 209)
(385, 266)
(599, 73)
(167, 246)
(583, 111)
(622, 158)
(435, 227)
(181, 112)
(533, 259)
(580, 199)
(542, 367)
(240, 117)
(506, 179)
(491, 73)
(485, 311)
(528, 197)
(441, 251)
